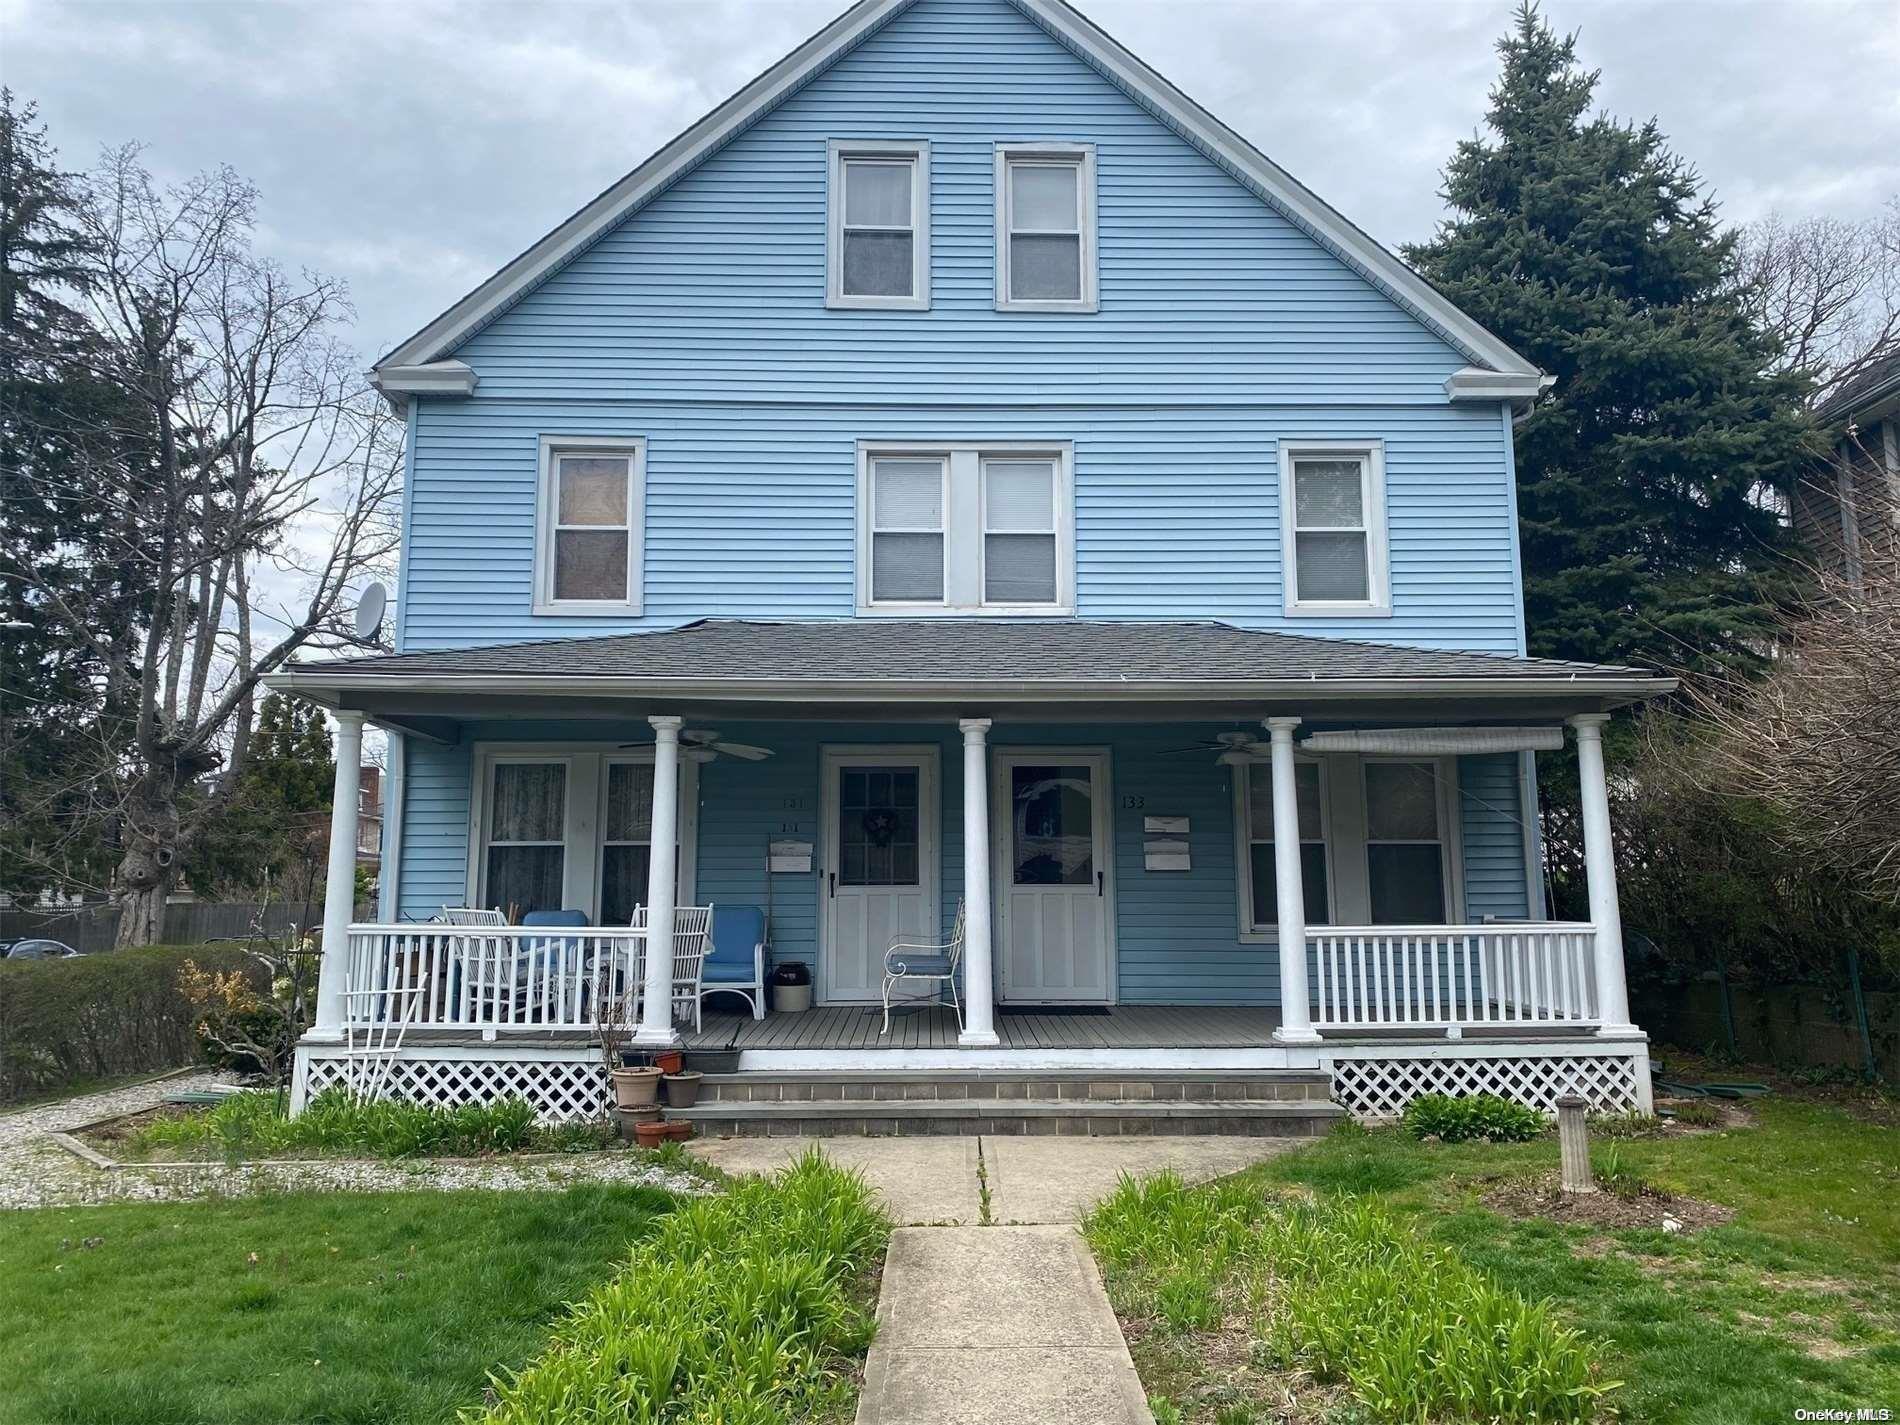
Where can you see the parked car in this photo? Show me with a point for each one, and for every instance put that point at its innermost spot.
(39, 950)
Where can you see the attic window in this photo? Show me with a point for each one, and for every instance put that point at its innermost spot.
(1332, 516)
(878, 245)
(1045, 228)
(589, 527)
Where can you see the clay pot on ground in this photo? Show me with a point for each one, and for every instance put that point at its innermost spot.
(636, 1088)
(651, 1135)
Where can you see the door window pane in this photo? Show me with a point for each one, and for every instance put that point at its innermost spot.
(1052, 817)
(878, 826)
(629, 802)
(525, 878)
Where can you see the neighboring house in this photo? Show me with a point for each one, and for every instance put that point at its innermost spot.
(1848, 511)
(369, 816)
(1097, 530)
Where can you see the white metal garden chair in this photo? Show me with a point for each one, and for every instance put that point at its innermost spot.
(690, 926)
(911, 958)
(373, 1025)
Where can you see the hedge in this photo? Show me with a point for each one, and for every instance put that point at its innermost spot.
(93, 1016)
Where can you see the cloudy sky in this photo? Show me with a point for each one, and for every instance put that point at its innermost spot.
(412, 147)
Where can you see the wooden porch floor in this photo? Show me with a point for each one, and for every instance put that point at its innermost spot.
(851, 1026)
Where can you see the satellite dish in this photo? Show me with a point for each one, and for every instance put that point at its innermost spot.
(369, 611)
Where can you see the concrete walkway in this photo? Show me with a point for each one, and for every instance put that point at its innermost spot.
(997, 1326)
(991, 1311)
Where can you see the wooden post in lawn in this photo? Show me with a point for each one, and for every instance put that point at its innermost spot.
(1573, 1141)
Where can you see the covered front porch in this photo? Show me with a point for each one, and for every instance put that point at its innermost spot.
(1130, 857)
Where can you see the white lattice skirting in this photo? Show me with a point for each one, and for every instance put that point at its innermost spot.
(1379, 1086)
(562, 1090)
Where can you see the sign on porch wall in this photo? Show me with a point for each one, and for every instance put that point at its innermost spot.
(1166, 848)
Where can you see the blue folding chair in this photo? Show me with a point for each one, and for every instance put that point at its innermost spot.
(735, 955)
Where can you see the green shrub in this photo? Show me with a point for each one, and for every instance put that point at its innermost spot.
(741, 1309)
(256, 1125)
(1483, 1115)
(1344, 1290)
(96, 1016)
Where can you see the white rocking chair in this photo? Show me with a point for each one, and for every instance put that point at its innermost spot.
(913, 959)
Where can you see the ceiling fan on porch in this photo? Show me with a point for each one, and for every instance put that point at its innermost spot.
(1231, 748)
(703, 745)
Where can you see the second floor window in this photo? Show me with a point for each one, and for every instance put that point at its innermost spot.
(1045, 228)
(1332, 512)
(589, 525)
(972, 529)
(878, 249)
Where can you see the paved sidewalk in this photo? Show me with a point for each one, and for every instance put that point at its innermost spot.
(997, 1326)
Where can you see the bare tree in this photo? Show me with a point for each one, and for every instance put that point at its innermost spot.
(1829, 288)
(258, 484)
(1819, 736)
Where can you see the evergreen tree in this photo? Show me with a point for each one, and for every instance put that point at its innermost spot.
(275, 827)
(1651, 477)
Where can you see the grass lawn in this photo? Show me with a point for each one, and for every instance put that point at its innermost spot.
(335, 1307)
(1796, 1302)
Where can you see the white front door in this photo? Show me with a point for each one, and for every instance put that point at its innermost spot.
(879, 875)
(1055, 906)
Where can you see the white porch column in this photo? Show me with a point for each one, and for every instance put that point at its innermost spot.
(979, 1015)
(656, 1015)
(1296, 1017)
(1599, 858)
(339, 887)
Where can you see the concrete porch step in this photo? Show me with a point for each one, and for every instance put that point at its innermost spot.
(1098, 1117)
(985, 1085)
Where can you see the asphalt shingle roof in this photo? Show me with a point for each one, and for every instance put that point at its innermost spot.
(954, 651)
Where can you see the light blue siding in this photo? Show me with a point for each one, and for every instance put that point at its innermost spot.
(700, 324)
(1176, 932)
(1491, 809)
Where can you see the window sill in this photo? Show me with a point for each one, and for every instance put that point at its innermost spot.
(601, 610)
(975, 611)
(1338, 610)
(1087, 307)
(839, 303)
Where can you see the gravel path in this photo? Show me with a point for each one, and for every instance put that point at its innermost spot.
(36, 1172)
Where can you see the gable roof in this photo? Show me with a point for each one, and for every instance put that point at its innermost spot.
(1240, 159)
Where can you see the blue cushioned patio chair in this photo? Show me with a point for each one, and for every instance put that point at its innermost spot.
(735, 955)
(913, 958)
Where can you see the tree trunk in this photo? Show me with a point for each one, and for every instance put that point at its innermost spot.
(142, 915)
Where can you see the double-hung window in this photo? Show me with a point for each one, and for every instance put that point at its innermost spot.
(878, 243)
(1259, 879)
(1406, 865)
(589, 526)
(965, 529)
(1045, 228)
(1332, 513)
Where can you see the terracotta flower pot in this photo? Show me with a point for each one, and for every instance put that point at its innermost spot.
(636, 1088)
(678, 1129)
(651, 1135)
(669, 1061)
(681, 1090)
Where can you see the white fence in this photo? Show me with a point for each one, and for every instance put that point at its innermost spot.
(1449, 977)
(493, 978)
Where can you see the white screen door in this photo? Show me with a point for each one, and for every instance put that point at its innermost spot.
(1051, 828)
(880, 867)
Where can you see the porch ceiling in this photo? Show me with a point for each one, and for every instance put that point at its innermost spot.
(898, 668)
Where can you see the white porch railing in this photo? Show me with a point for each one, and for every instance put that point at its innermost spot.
(1448, 977)
(491, 978)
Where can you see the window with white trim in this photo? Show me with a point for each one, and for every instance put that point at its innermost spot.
(1259, 878)
(589, 526)
(965, 529)
(878, 241)
(1333, 518)
(626, 840)
(1406, 865)
(1045, 228)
